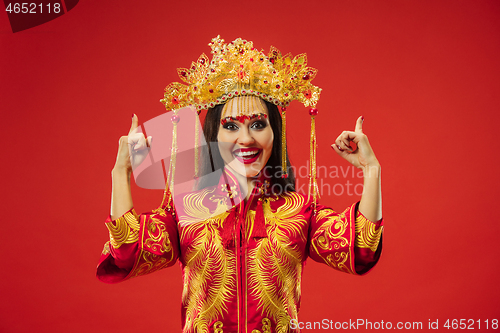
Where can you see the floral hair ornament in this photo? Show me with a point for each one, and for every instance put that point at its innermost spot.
(239, 69)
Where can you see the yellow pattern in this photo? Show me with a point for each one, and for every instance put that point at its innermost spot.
(367, 233)
(218, 327)
(266, 326)
(157, 239)
(210, 269)
(124, 230)
(275, 265)
(329, 237)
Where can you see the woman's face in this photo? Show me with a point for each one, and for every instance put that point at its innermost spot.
(245, 144)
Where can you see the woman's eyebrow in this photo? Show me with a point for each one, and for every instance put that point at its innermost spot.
(241, 119)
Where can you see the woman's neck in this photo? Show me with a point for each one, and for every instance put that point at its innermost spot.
(247, 183)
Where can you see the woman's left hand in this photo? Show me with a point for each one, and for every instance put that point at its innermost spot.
(363, 156)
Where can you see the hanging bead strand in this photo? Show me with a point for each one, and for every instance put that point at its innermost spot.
(284, 170)
(313, 182)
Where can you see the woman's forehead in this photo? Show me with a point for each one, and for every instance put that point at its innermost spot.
(244, 106)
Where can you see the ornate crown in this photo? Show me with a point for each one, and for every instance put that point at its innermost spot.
(239, 69)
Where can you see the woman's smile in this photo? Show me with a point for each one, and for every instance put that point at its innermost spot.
(247, 155)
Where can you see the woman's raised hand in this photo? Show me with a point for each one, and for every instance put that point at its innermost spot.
(363, 156)
(133, 148)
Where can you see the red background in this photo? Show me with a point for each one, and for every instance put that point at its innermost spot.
(425, 74)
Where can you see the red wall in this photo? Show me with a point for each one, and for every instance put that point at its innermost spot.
(425, 74)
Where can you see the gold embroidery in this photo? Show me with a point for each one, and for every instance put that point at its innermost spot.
(105, 250)
(124, 230)
(275, 265)
(210, 269)
(367, 233)
(150, 263)
(218, 327)
(334, 227)
(329, 237)
(160, 242)
(266, 326)
(154, 238)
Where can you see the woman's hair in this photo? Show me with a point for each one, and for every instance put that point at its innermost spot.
(272, 169)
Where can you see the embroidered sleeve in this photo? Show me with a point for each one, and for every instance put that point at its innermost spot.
(368, 243)
(138, 245)
(347, 241)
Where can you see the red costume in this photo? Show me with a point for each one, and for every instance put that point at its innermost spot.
(242, 264)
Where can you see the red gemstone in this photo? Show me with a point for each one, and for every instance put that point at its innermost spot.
(286, 94)
(251, 59)
(278, 86)
(265, 81)
(183, 74)
(175, 100)
(195, 88)
(211, 91)
(212, 70)
(284, 175)
(175, 119)
(283, 109)
(271, 60)
(313, 112)
(202, 61)
(305, 77)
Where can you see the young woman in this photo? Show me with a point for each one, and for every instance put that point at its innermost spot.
(242, 241)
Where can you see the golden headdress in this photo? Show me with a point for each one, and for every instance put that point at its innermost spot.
(239, 69)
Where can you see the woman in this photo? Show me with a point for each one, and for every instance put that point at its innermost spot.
(242, 242)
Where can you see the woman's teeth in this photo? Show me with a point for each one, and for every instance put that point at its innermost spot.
(247, 153)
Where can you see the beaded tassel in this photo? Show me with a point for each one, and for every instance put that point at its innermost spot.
(168, 194)
(284, 169)
(313, 182)
(196, 145)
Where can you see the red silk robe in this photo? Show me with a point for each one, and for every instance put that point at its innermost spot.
(242, 263)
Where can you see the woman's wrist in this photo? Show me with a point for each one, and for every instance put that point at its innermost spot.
(372, 170)
(120, 173)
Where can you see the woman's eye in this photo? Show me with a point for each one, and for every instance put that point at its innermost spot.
(259, 125)
(230, 126)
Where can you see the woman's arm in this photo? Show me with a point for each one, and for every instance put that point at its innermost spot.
(135, 143)
(363, 158)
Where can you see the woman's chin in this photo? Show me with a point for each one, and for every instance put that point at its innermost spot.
(245, 170)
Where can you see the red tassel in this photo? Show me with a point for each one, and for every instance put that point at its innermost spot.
(228, 229)
(259, 224)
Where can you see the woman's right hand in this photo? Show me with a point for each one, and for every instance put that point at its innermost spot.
(133, 148)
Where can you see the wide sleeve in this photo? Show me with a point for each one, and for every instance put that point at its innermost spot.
(138, 245)
(348, 241)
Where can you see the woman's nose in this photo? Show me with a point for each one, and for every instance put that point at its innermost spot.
(245, 137)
